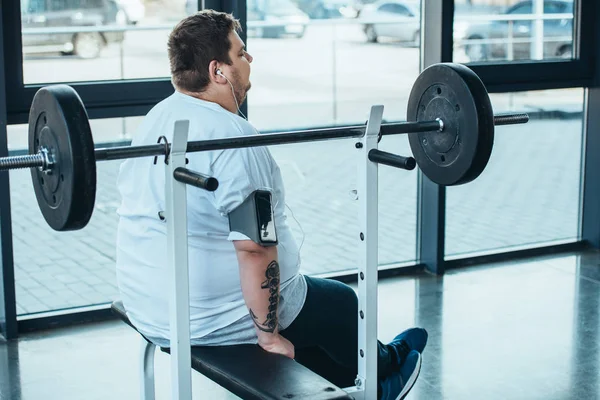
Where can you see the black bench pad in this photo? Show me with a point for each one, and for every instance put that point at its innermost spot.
(252, 373)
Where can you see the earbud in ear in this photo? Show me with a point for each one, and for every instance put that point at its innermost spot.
(219, 72)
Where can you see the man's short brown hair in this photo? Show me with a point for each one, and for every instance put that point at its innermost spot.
(195, 42)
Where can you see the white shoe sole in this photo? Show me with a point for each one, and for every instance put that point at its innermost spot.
(411, 380)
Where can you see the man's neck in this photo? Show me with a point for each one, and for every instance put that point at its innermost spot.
(211, 97)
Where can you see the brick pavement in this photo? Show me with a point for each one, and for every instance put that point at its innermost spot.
(529, 193)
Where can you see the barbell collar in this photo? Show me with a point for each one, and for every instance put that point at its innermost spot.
(48, 160)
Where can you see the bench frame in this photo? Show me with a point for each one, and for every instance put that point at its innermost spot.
(147, 351)
(177, 245)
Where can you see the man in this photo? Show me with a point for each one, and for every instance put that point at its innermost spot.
(244, 288)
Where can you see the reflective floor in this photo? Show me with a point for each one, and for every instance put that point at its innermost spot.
(519, 330)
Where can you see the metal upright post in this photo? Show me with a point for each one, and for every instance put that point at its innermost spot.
(590, 163)
(436, 34)
(177, 248)
(366, 381)
(8, 304)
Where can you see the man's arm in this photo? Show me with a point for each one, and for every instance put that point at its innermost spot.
(259, 276)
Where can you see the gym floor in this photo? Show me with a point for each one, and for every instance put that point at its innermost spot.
(518, 330)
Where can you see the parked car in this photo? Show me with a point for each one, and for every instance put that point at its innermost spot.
(393, 19)
(558, 34)
(134, 10)
(327, 9)
(70, 13)
(277, 18)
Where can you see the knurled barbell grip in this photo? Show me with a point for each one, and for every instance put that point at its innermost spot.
(510, 119)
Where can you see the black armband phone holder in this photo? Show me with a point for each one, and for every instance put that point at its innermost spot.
(255, 219)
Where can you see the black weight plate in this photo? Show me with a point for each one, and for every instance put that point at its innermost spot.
(58, 121)
(485, 120)
(456, 95)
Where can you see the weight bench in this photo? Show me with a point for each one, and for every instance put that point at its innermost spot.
(245, 370)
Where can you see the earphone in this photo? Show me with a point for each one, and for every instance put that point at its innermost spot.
(232, 92)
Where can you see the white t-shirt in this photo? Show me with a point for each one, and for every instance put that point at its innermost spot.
(216, 299)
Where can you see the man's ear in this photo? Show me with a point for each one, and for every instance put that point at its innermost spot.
(213, 67)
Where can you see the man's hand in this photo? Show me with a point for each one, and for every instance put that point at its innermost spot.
(276, 344)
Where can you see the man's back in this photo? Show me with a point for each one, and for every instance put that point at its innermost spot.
(216, 299)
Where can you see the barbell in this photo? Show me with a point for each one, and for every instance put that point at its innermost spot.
(450, 126)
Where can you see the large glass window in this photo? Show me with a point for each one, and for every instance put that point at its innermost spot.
(507, 30)
(89, 40)
(529, 194)
(326, 63)
(305, 74)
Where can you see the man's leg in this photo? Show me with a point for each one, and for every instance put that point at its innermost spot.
(329, 321)
(319, 362)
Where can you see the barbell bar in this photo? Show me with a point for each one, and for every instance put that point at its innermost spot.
(450, 127)
(45, 160)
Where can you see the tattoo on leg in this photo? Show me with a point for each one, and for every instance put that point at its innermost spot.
(272, 284)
